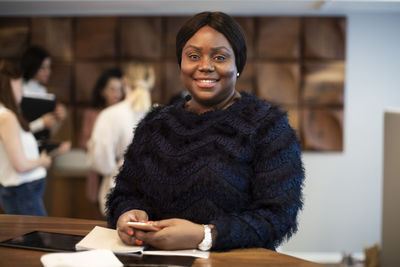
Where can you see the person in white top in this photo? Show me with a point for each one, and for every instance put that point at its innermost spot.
(36, 72)
(114, 127)
(22, 168)
(107, 91)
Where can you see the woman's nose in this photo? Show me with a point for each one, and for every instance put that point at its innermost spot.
(206, 65)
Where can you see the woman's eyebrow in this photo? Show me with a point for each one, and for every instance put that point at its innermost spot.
(220, 48)
(193, 47)
(213, 48)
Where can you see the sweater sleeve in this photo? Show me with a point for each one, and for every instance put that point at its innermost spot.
(275, 190)
(124, 196)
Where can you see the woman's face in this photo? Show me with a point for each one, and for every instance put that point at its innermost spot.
(208, 68)
(112, 93)
(44, 72)
(17, 89)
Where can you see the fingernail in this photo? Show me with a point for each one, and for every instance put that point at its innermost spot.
(130, 232)
(139, 242)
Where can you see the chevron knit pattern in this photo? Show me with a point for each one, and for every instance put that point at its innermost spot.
(239, 169)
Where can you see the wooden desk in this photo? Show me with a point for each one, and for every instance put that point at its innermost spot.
(14, 225)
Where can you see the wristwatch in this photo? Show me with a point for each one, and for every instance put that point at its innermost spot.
(206, 243)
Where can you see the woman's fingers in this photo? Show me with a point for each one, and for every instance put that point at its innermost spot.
(127, 235)
(164, 223)
(126, 232)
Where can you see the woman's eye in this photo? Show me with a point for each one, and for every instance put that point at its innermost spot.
(194, 57)
(220, 58)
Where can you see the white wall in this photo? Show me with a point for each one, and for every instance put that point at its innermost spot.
(343, 190)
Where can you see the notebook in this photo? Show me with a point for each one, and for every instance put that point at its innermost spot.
(106, 238)
(34, 106)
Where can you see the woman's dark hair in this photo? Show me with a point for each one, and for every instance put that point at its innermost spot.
(98, 100)
(222, 23)
(31, 61)
(8, 72)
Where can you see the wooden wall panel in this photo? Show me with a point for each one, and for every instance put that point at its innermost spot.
(141, 37)
(325, 38)
(172, 28)
(95, 37)
(173, 84)
(248, 26)
(60, 82)
(14, 34)
(278, 82)
(156, 92)
(279, 38)
(54, 35)
(322, 129)
(246, 80)
(324, 83)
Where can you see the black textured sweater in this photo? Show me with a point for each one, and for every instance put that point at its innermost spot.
(239, 169)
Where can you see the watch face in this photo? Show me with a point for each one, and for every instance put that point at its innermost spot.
(206, 244)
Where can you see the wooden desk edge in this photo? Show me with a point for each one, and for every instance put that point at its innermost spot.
(14, 225)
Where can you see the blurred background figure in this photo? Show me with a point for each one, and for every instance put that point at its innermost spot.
(36, 72)
(114, 128)
(140, 78)
(22, 168)
(107, 91)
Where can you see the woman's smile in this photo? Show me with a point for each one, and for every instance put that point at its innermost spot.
(206, 83)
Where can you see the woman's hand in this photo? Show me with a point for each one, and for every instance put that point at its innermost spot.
(64, 147)
(49, 120)
(127, 233)
(45, 160)
(174, 234)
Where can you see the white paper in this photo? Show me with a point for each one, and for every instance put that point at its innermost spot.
(106, 238)
(98, 258)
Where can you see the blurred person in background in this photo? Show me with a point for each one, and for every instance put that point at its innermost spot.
(107, 91)
(22, 168)
(36, 72)
(115, 125)
(140, 78)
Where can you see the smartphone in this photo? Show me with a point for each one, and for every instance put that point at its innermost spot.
(144, 226)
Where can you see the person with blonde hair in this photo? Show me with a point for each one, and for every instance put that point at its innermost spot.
(140, 77)
(114, 127)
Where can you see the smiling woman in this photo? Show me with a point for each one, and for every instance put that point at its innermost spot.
(208, 70)
(218, 170)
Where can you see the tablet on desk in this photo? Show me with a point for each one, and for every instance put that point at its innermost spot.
(46, 241)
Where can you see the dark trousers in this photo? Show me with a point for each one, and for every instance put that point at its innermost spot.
(25, 199)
